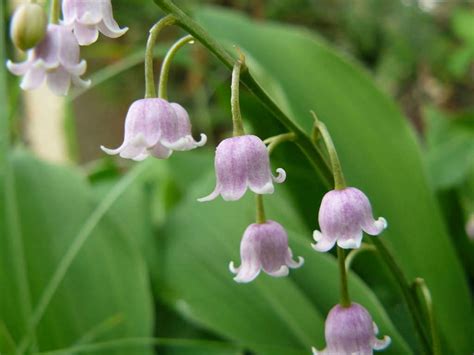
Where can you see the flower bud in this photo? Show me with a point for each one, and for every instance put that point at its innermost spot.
(28, 26)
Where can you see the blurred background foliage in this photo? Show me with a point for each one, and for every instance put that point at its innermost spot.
(152, 270)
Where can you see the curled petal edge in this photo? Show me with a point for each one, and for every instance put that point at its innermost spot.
(186, 143)
(380, 344)
(293, 263)
(323, 243)
(351, 243)
(281, 272)
(238, 278)
(211, 196)
(281, 177)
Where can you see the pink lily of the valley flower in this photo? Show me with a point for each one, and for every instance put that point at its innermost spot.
(264, 247)
(350, 330)
(155, 127)
(242, 162)
(56, 59)
(343, 215)
(87, 17)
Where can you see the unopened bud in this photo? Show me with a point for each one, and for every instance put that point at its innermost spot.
(28, 26)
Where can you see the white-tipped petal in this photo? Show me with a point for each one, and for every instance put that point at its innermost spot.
(350, 243)
(344, 214)
(380, 344)
(211, 196)
(86, 34)
(281, 177)
(247, 273)
(293, 263)
(233, 269)
(281, 272)
(324, 243)
(261, 190)
(56, 57)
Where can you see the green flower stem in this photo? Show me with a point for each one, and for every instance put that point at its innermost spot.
(408, 295)
(420, 284)
(304, 143)
(260, 209)
(150, 90)
(339, 181)
(345, 299)
(235, 97)
(165, 67)
(354, 252)
(54, 11)
(275, 141)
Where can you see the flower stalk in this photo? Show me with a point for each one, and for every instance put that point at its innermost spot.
(150, 90)
(235, 98)
(260, 209)
(54, 11)
(165, 67)
(275, 141)
(345, 299)
(339, 181)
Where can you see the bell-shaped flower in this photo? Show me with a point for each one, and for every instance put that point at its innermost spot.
(155, 127)
(351, 331)
(264, 247)
(88, 17)
(242, 162)
(343, 215)
(56, 59)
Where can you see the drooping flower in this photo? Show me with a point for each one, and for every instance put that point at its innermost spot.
(155, 127)
(264, 247)
(242, 162)
(87, 17)
(56, 59)
(351, 331)
(343, 215)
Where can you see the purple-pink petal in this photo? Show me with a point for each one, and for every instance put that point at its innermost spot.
(152, 128)
(343, 215)
(350, 330)
(264, 246)
(88, 17)
(242, 162)
(55, 58)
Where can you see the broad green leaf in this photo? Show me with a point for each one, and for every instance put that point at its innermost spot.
(450, 154)
(270, 316)
(378, 151)
(107, 279)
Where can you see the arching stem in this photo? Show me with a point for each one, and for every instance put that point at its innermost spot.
(150, 90)
(165, 67)
(339, 181)
(235, 97)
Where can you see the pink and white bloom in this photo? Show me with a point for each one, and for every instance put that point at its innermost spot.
(343, 215)
(242, 162)
(351, 331)
(87, 17)
(155, 127)
(264, 247)
(56, 58)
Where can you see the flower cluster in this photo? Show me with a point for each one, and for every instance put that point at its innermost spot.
(155, 127)
(55, 55)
